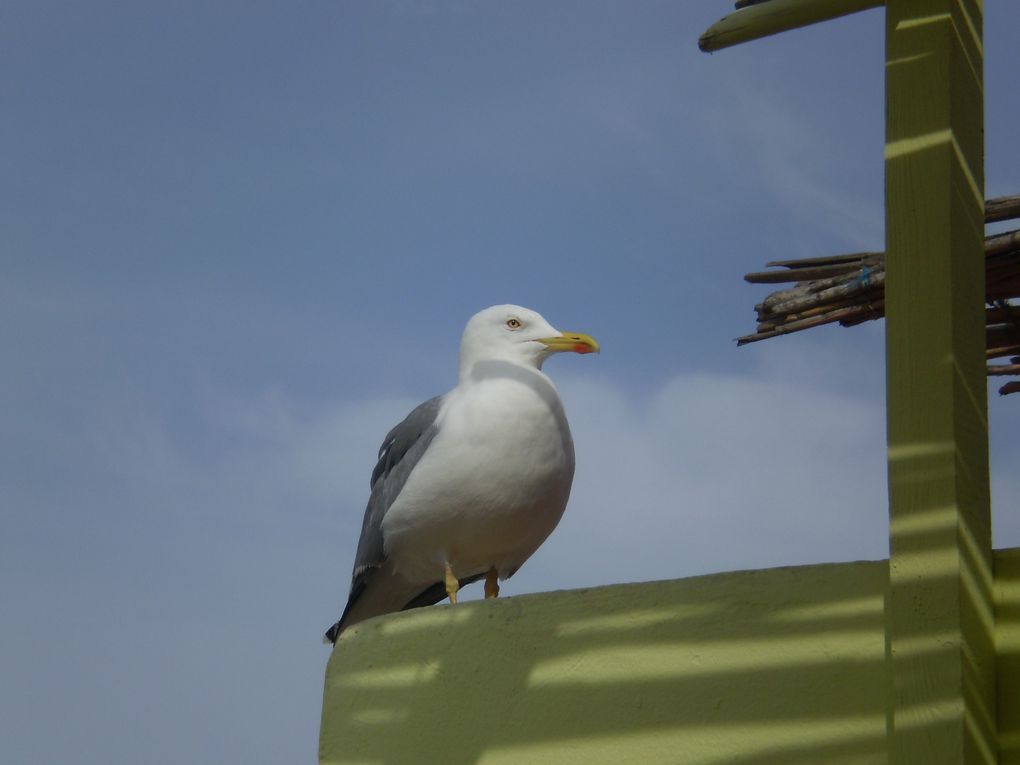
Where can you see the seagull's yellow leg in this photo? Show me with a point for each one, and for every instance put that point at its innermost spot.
(452, 584)
(491, 584)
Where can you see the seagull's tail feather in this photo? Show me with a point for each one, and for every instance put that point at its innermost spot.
(375, 592)
(385, 594)
(332, 634)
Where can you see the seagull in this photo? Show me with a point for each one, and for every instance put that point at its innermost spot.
(472, 482)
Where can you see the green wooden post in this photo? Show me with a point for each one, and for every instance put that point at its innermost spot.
(940, 618)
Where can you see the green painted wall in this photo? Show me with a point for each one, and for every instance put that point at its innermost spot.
(775, 666)
(1007, 659)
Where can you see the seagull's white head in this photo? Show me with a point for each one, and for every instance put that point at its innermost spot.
(518, 335)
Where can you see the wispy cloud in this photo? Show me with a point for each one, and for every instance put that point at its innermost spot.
(713, 472)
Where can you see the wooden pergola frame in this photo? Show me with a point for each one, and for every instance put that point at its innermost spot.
(939, 604)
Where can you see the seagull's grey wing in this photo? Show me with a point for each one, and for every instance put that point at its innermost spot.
(400, 452)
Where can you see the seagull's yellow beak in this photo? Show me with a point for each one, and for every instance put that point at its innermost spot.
(571, 341)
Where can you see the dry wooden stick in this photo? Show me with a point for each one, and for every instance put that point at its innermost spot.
(1002, 208)
(1010, 387)
(838, 293)
(841, 314)
(995, 370)
(850, 289)
(1007, 243)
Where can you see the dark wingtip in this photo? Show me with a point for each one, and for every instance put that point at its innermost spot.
(332, 634)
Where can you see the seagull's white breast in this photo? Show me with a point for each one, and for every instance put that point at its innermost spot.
(493, 483)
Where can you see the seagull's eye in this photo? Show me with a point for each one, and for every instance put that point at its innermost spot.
(513, 323)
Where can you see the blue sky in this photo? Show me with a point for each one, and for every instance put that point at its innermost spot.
(240, 241)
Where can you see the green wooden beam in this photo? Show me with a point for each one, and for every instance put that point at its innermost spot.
(768, 18)
(940, 617)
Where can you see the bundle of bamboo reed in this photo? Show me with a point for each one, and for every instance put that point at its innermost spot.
(850, 289)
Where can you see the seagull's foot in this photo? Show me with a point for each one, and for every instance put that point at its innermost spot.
(491, 584)
(452, 584)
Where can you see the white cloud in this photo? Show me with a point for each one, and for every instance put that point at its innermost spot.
(809, 174)
(319, 455)
(715, 472)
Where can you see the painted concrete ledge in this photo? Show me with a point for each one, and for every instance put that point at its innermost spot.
(774, 666)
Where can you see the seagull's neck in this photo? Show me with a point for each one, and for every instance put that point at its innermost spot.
(476, 369)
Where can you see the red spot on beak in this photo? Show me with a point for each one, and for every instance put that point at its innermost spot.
(581, 348)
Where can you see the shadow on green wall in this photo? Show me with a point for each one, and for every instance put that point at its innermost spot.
(781, 666)
(776, 666)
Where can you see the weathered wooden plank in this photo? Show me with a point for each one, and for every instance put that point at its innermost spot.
(799, 274)
(850, 258)
(764, 19)
(1002, 208)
